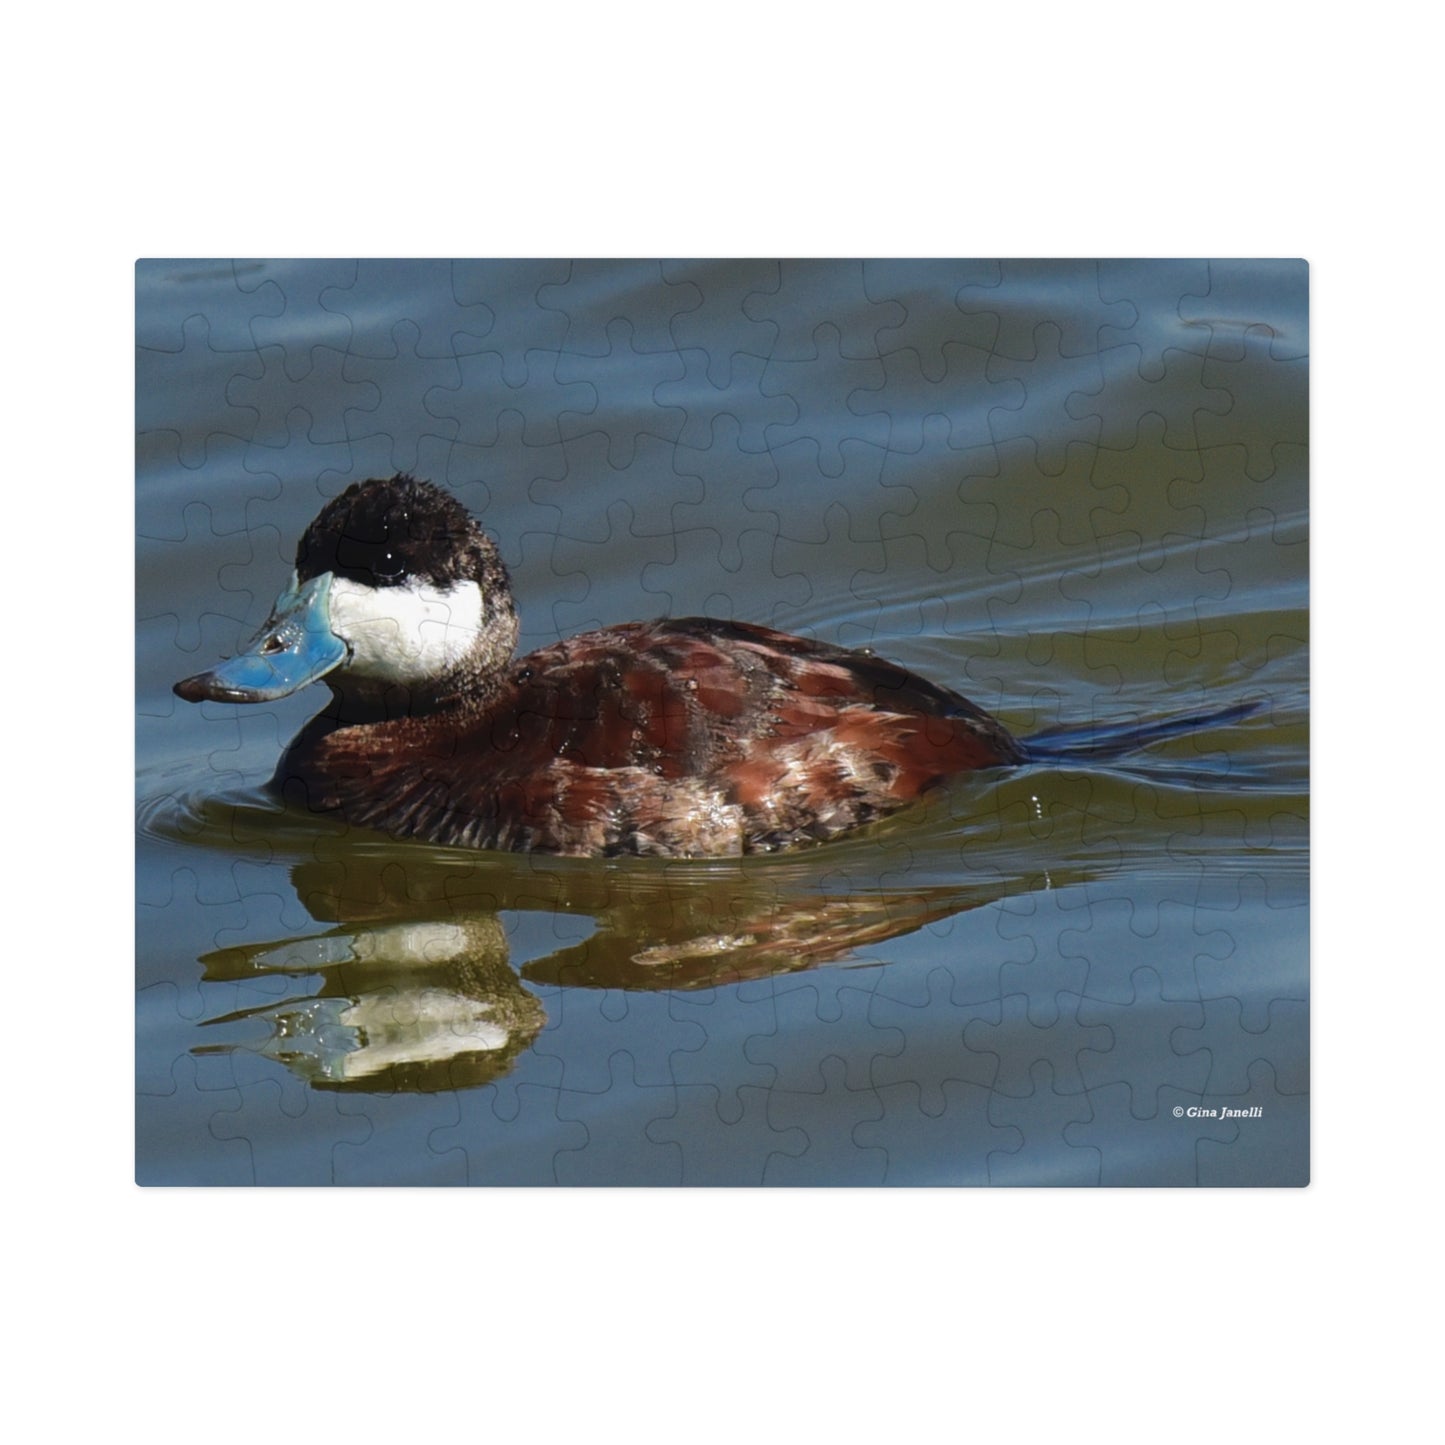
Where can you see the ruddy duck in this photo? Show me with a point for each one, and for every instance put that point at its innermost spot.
(688, 737)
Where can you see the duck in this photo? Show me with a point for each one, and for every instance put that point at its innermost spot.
(687, 737)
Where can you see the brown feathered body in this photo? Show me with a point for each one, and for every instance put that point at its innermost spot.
(678, 738)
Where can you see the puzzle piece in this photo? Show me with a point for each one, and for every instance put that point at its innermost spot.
(1076, 492)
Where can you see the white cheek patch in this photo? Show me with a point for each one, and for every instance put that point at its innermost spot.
(405, 634)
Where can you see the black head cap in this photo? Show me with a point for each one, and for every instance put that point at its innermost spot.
(386, 533)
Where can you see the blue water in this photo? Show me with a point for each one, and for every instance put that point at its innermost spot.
(1075, 492)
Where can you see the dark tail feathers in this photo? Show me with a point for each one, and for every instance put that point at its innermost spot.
(1086, 743)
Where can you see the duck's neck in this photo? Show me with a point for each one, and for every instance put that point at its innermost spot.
(463, 688)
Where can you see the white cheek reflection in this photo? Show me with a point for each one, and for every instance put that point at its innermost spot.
(405, 634)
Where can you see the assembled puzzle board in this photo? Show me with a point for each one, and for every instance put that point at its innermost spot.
(1074, 492)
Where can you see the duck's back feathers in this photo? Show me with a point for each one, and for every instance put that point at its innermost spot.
(681, 738)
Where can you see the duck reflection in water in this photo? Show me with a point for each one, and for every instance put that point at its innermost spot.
(417, 991)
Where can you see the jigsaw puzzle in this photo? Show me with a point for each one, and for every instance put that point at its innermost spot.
(947, 823)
